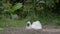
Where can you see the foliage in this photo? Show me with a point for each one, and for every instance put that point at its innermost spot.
(17, 6)
(44, 10)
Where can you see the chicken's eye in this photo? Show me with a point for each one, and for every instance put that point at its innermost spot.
(27, 24)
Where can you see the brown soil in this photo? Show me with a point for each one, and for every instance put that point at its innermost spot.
(23, 30)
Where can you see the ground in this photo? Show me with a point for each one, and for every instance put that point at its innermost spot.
(23, 30)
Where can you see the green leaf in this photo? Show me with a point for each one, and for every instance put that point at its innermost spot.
(16, 6)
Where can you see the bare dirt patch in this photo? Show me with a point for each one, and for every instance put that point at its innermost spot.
(23, 30)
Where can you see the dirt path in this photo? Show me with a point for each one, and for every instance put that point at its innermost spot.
(22, 30)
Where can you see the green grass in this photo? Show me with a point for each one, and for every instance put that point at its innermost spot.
(52, 20)
(0, 31)
(12, 23)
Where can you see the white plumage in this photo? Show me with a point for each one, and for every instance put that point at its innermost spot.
(28, 26)
(35, 25)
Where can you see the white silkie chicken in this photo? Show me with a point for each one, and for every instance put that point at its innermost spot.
(28, 26)
(35, 25)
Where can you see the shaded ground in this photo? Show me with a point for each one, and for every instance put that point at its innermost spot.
(23, 30)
